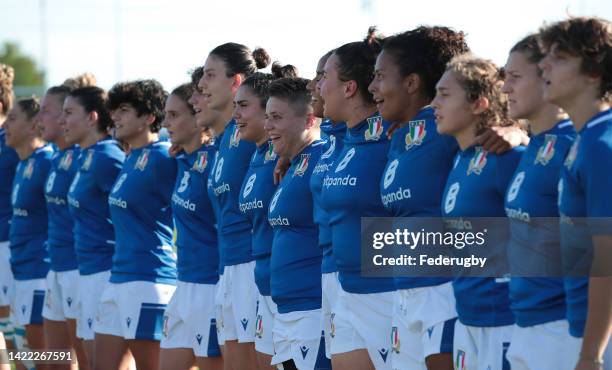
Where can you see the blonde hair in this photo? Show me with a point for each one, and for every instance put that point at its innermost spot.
(83, 80)
(481, 78)
(7, 75)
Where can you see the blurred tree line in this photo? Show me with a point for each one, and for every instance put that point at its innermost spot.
(29, 78)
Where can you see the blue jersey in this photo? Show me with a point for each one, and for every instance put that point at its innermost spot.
(533, 194)
(94, 237)
(28, 234)
(414, 179)
(584, 191)
(194, 219)
(8, 165)
(295, 266)
(255, 194)
(231, 164)
(334, 135)
(60, 240)
(351, 191)
(140, 207)
(476, 187)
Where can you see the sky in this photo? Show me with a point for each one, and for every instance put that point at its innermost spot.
(121, 40)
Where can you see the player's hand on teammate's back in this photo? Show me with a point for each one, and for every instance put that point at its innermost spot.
(500, 139)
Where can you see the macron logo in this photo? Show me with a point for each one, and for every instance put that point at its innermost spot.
(244, 323)
(304, 351)
(383, 353)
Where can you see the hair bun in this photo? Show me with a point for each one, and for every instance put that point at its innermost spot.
(284, 71)
(262, 58)
(82, 80)
(7, 74)
(374, 38)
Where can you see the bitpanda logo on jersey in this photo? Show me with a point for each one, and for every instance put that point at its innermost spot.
(201, 162)
(302, 165)
(270, 155)
(573, 152)
(142, 161)
(478, 161)
(235, 138)
(416, 134)
(29, 170)
(88, 160)
(119, 182)
(332, 147)
(66, 160)
(547, 150)
(50, 182)
(375, 128)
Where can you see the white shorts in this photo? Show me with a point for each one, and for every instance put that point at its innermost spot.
(189, 320)
(6, 275)
(133, 310)
(61, 299)
(28, 302)
(264, 324)
(547, 346)
(298, 336)
(237, 302)
(423, 325)
(330, 289)
(90, 290)
(485, 348)
(363, 321)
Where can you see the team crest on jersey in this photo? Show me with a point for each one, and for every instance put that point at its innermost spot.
(29, 170)
(573, 152)
(259, 327)
(375, 128)
(142, 161)
(395, 340)
(547, 150)
(460, 360)
(478, 161)
(88, 160)
(235, 138)
(416, 133)
(201, 162)
(302, 165)
(66, 160)
(270, 155)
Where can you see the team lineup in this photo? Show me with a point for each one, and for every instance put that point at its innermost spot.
(237, 243)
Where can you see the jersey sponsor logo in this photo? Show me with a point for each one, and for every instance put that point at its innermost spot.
(244, 323)
(185, 203)
(559, 192)
(304, 351)
(254, 204)
(15, 194)
(390, 173)
(573, 152)
(460, 360)
(199, 338)
(201, 162)
(50, 182)
(395, 340)
(184, 182)
(416, 134)
(516, 186)
(275, 199)
(142, 161)
(235, 138)
(345, 161)
(518, 214)
(375, 128)
(248, 187)
(478, 161)
(547, 150)
(29, 170)
(332, 147)
(75, 181)
(270, 155)
(66, 160)
(383, 354)
(119, 182)
(399, 194)
(302, 165)
(219, 169)
(322, 168)
(87, 163)
(451, 197)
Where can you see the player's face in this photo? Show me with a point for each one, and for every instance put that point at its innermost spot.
(17, 127)
(523, 85)
(453, 113)
(200, 107)
(48, 117)
(217, 89)
(128, 124)
(332, 90)
(317, 99)
(179, 121)
(249, 116)
(74, 121)
(563, 79)
(285, 128)
(388, 90)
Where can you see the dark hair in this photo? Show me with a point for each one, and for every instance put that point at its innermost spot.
(590, 39)
(294, 91)
(61, 91)
(7, 74)
(530, 47)
(93, 98)
(31, 106)
(425, 51)
(356, 62)
(259, 83)
(240, 59)
(146, 96)
(196, 76)
(184, 92)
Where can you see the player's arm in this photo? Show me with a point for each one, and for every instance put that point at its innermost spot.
(499, 139)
